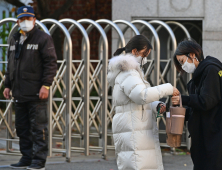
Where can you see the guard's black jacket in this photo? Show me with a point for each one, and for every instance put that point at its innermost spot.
(205, 110)
(31, 65)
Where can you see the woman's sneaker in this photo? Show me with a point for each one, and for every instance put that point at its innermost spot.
(20, 165)
(36, 167)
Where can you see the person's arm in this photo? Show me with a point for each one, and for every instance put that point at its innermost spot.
(185, 99)
(48, 54)
(188, 113)
(7, 82)
(210, 93)
(154, 106)
(134, 87)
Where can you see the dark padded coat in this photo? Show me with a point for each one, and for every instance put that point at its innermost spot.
(31, 65)
(205, 115)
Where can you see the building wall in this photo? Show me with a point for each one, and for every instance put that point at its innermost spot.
(209, 11)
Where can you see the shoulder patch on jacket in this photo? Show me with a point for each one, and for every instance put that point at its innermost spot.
(220, 73)
(12, 48)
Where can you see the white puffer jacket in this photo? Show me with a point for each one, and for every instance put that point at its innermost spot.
(134, 125)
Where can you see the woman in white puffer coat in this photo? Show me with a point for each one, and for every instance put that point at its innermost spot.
(134, 125)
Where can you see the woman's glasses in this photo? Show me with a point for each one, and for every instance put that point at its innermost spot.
(182, 61)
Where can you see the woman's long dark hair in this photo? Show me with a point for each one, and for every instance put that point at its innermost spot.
(138, 42)
(186, 47)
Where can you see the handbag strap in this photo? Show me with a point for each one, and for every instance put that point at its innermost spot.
(181, 101)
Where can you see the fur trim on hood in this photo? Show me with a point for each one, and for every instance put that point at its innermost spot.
(123, 62)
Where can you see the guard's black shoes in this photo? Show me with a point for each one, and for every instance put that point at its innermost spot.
(36, 167)
(20, 165)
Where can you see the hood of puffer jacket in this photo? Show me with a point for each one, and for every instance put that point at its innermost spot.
(123, 62)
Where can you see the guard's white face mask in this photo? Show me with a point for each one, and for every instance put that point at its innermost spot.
(189, 67)
(26, 25)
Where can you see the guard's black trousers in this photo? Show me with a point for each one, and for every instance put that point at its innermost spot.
(31, 126)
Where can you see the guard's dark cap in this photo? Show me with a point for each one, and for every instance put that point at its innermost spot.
(25, 11)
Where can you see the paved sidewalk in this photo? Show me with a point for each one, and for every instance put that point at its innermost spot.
(94, 162)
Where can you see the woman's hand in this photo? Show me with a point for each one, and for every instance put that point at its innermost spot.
(176, 100)
(162, 108)
(175, 92)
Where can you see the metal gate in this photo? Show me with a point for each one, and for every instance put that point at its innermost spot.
(75, 116)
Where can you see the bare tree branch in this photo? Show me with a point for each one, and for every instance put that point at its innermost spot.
(16, 3)
(63, 9)
(41, 8)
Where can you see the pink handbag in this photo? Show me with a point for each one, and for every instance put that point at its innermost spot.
(174, 125)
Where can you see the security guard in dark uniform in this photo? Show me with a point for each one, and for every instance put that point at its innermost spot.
(30, 71)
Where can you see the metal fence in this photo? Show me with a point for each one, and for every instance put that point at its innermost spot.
(75, 116)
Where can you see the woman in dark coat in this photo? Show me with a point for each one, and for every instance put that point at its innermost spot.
(204, 104)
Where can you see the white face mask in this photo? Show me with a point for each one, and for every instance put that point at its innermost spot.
(141, 59)
(189, 67)
(26, 25)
